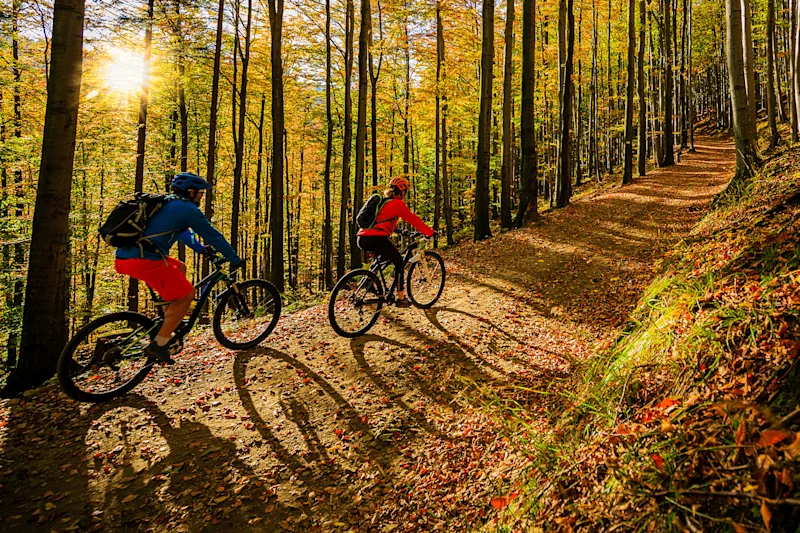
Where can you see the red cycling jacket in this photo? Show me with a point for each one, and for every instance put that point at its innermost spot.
(386, 221)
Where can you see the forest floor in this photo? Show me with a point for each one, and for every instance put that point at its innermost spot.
(393, 431)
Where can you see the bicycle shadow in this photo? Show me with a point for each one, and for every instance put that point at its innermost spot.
(125, 465)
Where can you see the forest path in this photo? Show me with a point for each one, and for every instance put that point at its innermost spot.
(387, 432)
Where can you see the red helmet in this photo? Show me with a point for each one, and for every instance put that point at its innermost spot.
(401, 183)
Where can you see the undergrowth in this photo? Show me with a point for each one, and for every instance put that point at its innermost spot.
(690, 421)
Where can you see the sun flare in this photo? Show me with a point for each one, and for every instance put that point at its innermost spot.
(124, 71)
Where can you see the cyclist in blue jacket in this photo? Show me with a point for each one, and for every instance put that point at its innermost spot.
(167, 275)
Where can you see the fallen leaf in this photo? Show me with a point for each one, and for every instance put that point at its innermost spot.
(499, 502)
(766, 514)
(657, 460)
(129, 498)
(771, 437)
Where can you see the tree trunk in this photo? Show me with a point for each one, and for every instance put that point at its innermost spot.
(668, 155)
(239, 144)
(437, 198)
(749, 67)
(627, 173)
(347, 143)
(212, 125)
(133, 284)
(361, 124)
(482, 230)
(566, 22)
(773, 125)
(259, 272)
(642, 154)
(528, 201)
(278, 147)
(44, 321)
(746, 157)
(446, 197)
(327, 231)
(507, 168)
(373, 77)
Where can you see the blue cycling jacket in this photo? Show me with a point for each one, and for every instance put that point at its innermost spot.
(177, 216)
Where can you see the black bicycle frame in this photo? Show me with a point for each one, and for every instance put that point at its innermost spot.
(378, 265)
(205, 285)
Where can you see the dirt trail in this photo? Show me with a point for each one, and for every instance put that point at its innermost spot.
(382, 433)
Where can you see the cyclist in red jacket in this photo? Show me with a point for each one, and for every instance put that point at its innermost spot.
(376, 238)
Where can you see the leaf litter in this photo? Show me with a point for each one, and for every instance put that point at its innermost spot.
(403, 429)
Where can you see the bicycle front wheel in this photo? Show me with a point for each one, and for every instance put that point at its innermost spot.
(355, 303)
(246, 314)
(426, 282)
(106, 358)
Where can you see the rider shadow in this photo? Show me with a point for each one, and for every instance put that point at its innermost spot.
(432, 315)
(173, 484)
(358, 346)
(202, 474)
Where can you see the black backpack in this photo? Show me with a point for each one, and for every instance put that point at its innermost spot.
(126, 223)
(368, 214)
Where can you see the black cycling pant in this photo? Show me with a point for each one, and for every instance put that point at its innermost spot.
(383, 248)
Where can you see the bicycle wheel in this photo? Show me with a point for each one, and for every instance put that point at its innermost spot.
(355, 303)
(106, 359)
(245, 318)
(425, 285)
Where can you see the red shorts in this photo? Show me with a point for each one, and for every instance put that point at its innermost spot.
(164, 278)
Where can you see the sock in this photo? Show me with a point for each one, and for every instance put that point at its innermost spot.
(161, 341)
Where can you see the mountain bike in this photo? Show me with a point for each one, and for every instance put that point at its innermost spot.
(357, 298)
(106, 359)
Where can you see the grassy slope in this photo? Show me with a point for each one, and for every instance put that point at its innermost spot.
(687, 423)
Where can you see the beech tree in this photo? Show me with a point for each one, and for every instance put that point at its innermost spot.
(44, 326)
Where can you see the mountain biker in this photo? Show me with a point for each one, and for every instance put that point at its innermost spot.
(376, 238)
(167, 275)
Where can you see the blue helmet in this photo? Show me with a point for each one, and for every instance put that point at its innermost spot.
(186, 180)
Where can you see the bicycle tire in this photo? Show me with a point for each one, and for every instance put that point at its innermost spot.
(263, 303)
(348, 295)
(416, 295)
(114, 346)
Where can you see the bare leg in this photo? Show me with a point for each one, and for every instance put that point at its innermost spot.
(174, 313)
(176, 310)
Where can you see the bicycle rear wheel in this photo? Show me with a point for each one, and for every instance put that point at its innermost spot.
(106, 359)
(246, 316)
(355, 303)
(425, 285)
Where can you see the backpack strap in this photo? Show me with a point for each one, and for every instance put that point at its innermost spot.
(382, 203)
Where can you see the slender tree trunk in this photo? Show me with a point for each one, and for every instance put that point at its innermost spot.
(361, 125)
(749, 66)
(239, 145)
(406, 138)
(212, 125)
(528, 201)
(44, 320)
(482, 172)
(437, 198)
(347, 144)
(133, 284)
(666, 38)
(259, 272)
(507, 169)
(327, 231)
(373, 77)
(746, 155)
(642, 152)
(793, 114)
(774, 138)
(566, 50)
(446, 197)
(627, 173)
(691, 99)
(278, 146)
